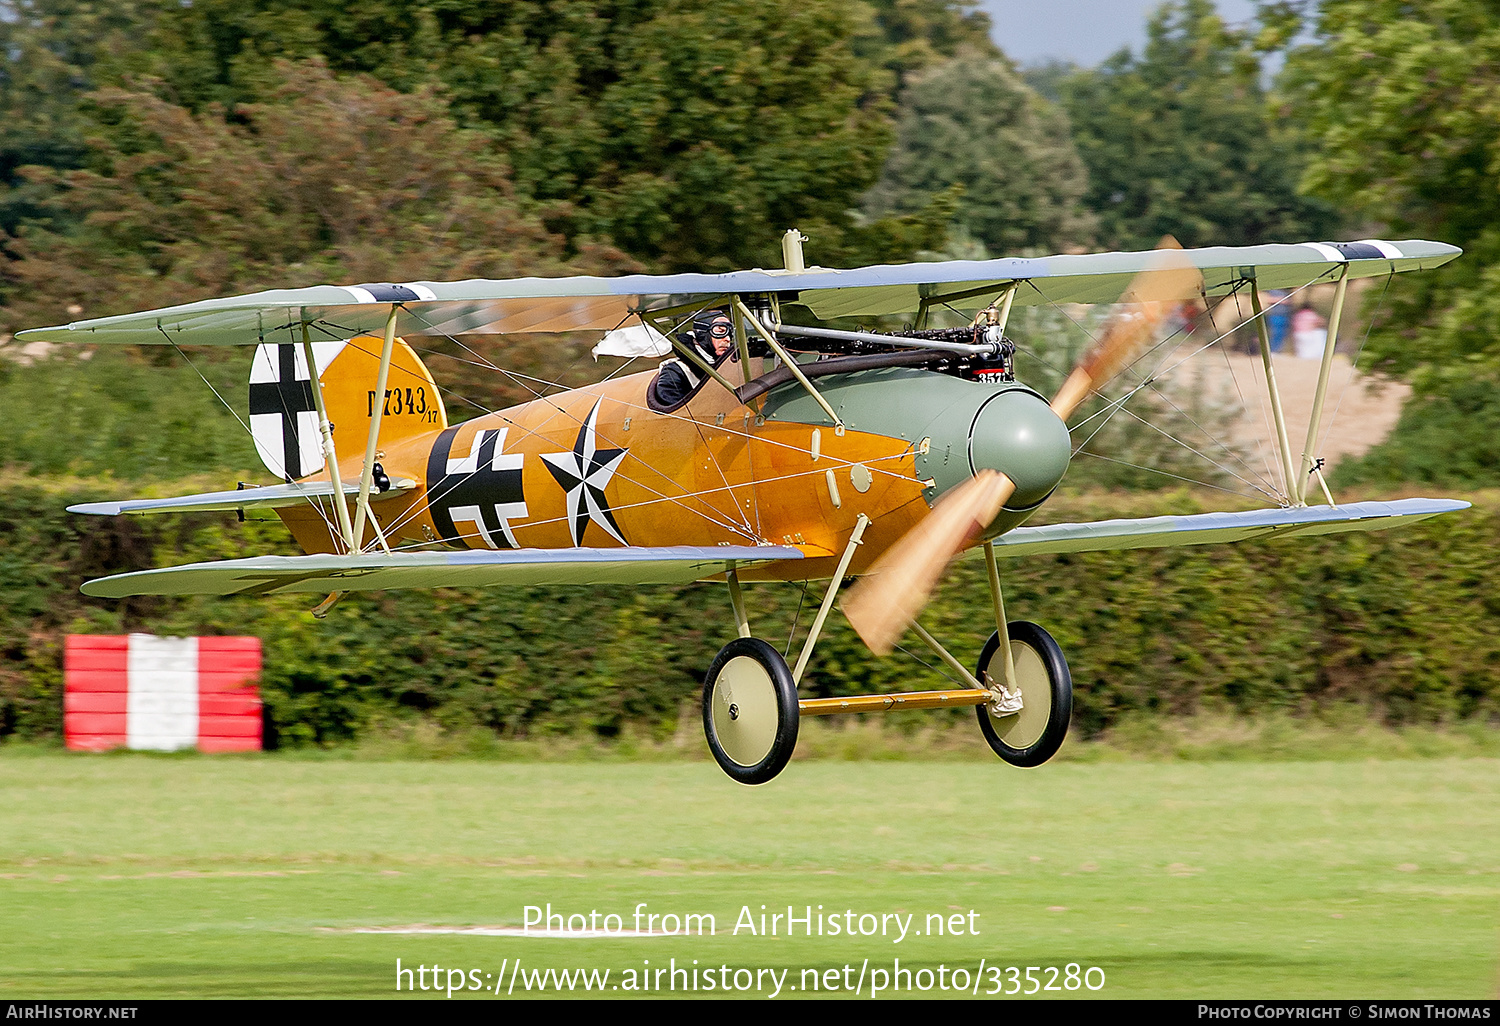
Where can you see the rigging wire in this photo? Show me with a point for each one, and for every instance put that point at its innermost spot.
(634, 406)
(1164, 473)
(523, 379)
(333, 533)
(1195, 452)
(1234, 453)
(786, 653)
(752, 534)
(1148, 382)
(410, 514)
(1110, 409)
(674, 499)
(1260, 443)
(941, 673)
(1230, 450)
(749, 531)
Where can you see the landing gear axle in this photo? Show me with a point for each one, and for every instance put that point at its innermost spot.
(1033, 735)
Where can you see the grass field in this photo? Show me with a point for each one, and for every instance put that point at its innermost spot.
(159, 876)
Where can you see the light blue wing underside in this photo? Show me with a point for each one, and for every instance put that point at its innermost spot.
(682, 564)
(320, 574)
(1211, 528)
(268, 497)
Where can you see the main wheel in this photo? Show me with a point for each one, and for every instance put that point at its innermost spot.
(750, 710)
(1033, 735)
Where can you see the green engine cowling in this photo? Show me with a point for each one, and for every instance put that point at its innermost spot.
(969, 425)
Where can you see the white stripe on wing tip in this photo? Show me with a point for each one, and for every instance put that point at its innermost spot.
(1387, 250)
(1327, 252)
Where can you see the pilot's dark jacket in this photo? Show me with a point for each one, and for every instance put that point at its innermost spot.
(678, 379)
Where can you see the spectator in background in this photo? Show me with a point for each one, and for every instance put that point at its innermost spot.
(1278, 318)
(1309, 332)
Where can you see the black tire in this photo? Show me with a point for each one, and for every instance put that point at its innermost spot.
(1027, 738)
(751, 733)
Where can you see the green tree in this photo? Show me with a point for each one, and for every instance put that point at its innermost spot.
(1180, 141)
(914, 35)
(973, 123)
(1402, 104)
(52, 54)
(690, 133)
(330, 179)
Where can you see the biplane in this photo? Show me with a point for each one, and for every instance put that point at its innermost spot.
(770, 446)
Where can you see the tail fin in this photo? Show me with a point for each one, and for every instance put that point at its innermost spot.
(284, 419)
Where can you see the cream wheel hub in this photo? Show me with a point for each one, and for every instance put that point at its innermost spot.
(744, 710)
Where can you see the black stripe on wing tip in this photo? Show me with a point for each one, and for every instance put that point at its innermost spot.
(386, 293)
(1357, 250)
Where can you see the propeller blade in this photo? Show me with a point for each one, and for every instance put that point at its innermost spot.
(888, 598)
(1171, 279)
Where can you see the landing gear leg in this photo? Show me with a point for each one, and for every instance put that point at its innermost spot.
(1028, 720)
(750, 705)
(749, 702)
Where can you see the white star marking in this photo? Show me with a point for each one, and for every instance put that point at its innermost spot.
(583, 474)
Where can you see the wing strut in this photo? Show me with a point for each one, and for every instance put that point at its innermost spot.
(860, 523)
(330, 454)
(367, 474)
(1002, 625)
(1002, 319)
(1316, 421)
(737, 599)
(1283, 443)
(742, 344)
(789, 362)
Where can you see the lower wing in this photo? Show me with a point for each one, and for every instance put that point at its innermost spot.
(1209, 528)
(274, 575)
(269, 497)
(264, 575)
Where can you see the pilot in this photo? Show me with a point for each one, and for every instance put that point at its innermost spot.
(678, 379)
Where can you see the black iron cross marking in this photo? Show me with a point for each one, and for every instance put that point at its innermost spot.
(483, 488)
(286, 397)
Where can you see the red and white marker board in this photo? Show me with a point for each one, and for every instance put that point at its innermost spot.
(164, 694)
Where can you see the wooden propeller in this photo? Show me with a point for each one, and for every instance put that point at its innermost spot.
(889, 597)
(898, 585)
(1170, 280)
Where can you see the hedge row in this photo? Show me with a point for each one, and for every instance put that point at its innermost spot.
(1403, 621)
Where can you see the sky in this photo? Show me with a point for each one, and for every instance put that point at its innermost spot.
(1082, 31)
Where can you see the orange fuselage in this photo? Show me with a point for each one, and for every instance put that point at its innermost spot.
(597, 467)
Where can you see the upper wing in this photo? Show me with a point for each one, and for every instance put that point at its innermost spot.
(319, 574)
(1208, 528)
(588, 303)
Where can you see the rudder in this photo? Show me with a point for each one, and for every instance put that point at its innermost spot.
(284, 420)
